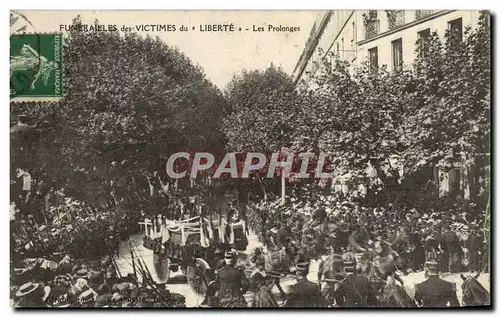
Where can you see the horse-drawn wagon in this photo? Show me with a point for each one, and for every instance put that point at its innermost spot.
(192, 246)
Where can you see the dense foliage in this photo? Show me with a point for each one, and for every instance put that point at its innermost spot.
(129, 102)
(382, 128)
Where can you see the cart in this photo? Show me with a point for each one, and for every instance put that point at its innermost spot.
(190, 245)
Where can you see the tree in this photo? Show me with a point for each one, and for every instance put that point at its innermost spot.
(451, 121)
(436, 112)
(453, 91)
(258, 117)
(129, 102)
(356, 116)
(259, 109)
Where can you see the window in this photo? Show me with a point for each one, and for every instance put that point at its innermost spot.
(395, 18)
(397, 55)
(352, 51)
(373, 58)
(455, 182)
(423, 42)
(455, 28)
(338, 49)
(420, 14)
(353, 32)
(343, 48)
(372, 24)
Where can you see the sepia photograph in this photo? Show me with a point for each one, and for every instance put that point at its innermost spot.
(250, 159)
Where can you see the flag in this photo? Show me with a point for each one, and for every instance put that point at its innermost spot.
(151, 188)
(26, 181)
(231, 234)
(222, 231)
(210, 228)
(203, 235)
(165, 234)
(183, 236)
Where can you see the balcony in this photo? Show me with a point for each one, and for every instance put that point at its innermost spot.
(420, 14)
(372, 29)
(395, 18)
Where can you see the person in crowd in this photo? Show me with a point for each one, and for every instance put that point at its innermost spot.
(417, 250)
(231, 283)
(452, 250)
(474, 246)
(30, 295)
(435, 292)
(359, 239)
(261, 294)
(305, 293)
(354, 290)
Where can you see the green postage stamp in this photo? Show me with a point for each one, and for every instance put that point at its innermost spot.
(36, 69)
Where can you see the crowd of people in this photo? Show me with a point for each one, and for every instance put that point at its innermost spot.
(353, 237)
(64, 258)
(456, 239)
(72, 282)
(303, 230)
(75, 229)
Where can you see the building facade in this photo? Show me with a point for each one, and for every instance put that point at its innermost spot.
(382, 37)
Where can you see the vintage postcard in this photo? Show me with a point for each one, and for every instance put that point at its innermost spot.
(250, 159)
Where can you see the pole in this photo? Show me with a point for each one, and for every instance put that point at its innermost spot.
(283, 189)
(488, 238)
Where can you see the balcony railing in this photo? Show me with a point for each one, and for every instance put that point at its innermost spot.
(372, 29)
(395, 18)
(420, 14)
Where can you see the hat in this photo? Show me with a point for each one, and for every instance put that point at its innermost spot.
(343, 227)
(87, 298)
(230, 255)
(350, 263)
(59, 304)
(26, 289)
(432, 267)
(82, 273)
(320, 213)
(58, 299)
(260, 261)
(103, 301)
(302, 267)
(62, 280)
(80, 286)
(96, 278)
(104, 289)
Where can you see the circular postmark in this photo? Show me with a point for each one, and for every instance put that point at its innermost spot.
(24, 64)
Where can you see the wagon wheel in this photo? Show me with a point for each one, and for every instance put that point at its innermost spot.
(162, 267)
(195, 276)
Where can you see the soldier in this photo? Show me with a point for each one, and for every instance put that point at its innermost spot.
(435, 292)
(475, 246)
(331, 271)
(305, 293)
(431, 245)
(341, 240)
(359, 238)
(283, 236)
(231, 283)
(219, 261)
(452, 250)
(354, 290)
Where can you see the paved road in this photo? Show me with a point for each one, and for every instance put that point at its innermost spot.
(178, 284)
